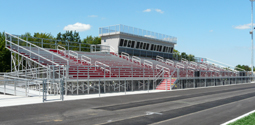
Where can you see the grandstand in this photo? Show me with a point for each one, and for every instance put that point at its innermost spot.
(128, 59)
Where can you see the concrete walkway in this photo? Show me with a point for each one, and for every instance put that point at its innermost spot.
(10, 100)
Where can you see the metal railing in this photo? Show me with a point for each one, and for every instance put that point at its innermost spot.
(86, 59)
(135, 31)
(14, 42)
(61, 49)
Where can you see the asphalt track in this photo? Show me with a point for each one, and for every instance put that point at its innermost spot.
(204, 106)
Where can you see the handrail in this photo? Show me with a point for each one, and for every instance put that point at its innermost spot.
(213, 69)
(167, 69)
(168, 61)
(32, 52)
(179, 65)
(148, 63)
(184, 61)
(104, 66)
(190, 67)
(191, 63)
(74, 54)
(59, 49)
(203, 66)
(112, 48)
(161, 72)
(137, 59)
(83, 58)
(38, 47)
(125, 55)
(159, 58)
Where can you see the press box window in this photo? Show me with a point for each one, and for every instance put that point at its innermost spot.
(141, 46)
(121, 42)
(160, 48)
(125, 43)
(164, 49)
(152, 46)
(147, 47)
(133, 44)
(129, 43)
(144, 45)
(137, 45)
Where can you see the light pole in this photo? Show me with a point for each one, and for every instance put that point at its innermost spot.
(252, 35)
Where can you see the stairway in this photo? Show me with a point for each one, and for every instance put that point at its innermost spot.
(162, 85)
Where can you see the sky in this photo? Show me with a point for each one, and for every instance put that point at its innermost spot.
(216, 29)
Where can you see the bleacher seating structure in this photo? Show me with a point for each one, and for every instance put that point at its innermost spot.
(87, 65)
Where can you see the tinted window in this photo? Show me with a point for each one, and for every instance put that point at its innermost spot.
(121, 42)
(155, 47)
(147, 47)
(133, 44)
(160, 48)
(152, 46)
(141, 46)
(125, 43)
(144, 45)
(164, 49)
(169, 50)
(129, 43)
(138, 44)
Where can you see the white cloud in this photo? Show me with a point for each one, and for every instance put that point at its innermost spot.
(210, 30)
(147, 10)
(78, 27)
(92, 16)
(159, 10)
(242, 27)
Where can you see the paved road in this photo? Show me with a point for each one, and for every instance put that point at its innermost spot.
(208, 106)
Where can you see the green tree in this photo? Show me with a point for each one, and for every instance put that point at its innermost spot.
(5, 55)
(244, 67)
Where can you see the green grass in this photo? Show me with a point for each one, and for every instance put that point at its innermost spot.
(248, 120)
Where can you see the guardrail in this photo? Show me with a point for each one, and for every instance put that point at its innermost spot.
(148, 63)
(160, 59)
(73, 54)
(59, 49)
(170, 62)
(126, 55)
(136, 59)
(21, 42)
(136, 31)
(86, 59)
(103, 66)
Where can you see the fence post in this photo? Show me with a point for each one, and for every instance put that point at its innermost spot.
(4, 87)
(125, 86)
(15, 87)
(42, 43)
(99, 87)
(148, 85)
(26, 88)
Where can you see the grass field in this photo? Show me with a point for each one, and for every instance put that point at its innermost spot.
(248, 120)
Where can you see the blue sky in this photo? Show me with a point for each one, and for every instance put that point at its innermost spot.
(215, 29)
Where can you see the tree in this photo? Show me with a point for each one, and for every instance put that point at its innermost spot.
(184, 55)
(69, 36)
(5, 55)
(244, 67)
(191, 57)
(43, 35)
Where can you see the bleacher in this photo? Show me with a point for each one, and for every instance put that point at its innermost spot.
(93, 65)
(84, 66)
